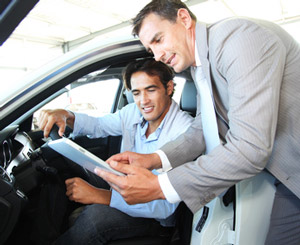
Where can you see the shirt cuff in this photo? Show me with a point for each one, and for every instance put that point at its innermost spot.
(166, 165)
(167, 188)
(79, 120)
(116, 199)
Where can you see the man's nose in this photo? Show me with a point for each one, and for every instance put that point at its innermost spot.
(144, 98)
(158, 54)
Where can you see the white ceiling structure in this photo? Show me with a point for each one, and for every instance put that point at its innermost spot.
(56, 26)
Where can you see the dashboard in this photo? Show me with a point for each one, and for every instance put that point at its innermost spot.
(15, 150)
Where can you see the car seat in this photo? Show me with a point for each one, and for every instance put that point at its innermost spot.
(188, 99)
(129, 96)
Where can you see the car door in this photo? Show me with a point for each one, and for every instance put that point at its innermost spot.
(94, 68)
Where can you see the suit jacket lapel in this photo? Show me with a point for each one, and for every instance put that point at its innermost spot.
(202, 46)
(201, 39)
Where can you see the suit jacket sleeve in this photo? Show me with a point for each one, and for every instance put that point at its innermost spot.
(186, 147)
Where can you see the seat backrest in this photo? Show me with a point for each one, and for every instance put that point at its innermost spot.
(188, 100)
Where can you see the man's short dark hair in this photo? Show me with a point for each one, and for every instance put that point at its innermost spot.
(152, 68)
(166, 9)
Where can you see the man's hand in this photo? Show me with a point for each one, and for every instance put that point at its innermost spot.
(79, 190)
(149, 161)
(138, 186)
(60, 117)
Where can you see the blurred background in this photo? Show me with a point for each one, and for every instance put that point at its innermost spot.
(54, 27)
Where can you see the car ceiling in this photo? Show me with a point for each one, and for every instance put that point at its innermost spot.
(61, 25)
(67, 20)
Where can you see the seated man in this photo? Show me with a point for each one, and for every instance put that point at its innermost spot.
(145, 125)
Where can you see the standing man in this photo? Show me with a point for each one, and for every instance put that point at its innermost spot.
(145, 126)
(252, 71)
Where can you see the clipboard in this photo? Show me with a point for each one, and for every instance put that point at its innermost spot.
(81, 156)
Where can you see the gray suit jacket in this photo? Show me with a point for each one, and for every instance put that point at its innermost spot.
(253, 68)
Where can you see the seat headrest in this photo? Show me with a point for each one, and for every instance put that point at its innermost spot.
(129, 96)
(188, 100)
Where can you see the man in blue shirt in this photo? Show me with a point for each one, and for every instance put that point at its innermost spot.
(145, 125)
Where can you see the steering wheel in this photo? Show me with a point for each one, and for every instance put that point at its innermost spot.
(76, 169)
(54, 133)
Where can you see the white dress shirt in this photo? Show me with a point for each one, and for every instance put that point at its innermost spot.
(209, 123)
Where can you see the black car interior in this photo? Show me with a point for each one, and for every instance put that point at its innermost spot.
(27, 163)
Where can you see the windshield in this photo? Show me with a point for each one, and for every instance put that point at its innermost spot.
(13, 83)
(10, 89)
(58, 66)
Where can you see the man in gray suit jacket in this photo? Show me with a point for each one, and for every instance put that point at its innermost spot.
(252, 68)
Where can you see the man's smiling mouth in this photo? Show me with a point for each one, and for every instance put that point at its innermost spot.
(169, 61)
(148, 109)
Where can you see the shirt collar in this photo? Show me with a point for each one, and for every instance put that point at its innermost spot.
(144, 124)
(197, 58)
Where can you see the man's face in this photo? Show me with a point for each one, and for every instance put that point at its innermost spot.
(170, 43)
(151, 97)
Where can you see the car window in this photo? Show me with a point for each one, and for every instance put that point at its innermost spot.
(179, 83)
(94, 98)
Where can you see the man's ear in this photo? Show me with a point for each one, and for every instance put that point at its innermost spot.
(184, 17)
(170, 87)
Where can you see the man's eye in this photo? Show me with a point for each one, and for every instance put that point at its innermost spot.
(158, 40)
(135, 94)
